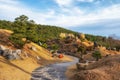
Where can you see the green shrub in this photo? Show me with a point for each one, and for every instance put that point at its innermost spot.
(44, 45)
(97, 55)
(17, 40)
(55, 46)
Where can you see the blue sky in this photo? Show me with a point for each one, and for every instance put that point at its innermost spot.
(98, 17)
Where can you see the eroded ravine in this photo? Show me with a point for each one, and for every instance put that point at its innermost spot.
(52, 72)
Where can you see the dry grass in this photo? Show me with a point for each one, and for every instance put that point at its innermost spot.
(105, 52)
(16, 70)
(105, 69)
(43, 53)
(6, 31)
(21, 69)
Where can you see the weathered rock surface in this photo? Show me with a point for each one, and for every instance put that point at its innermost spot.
(10, 54)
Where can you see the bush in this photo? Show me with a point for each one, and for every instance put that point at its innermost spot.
(17, 40)
(97, 55)
(55, 46)
(44, 45)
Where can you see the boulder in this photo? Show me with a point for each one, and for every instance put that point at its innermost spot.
(33, 48)
(15, 55)
(62, 35)
(81, 66)
(18, 51)
(82, 36)
(6, 52)
(9, 57)
(38, 58)
(2, 47)
(11, 54)
(1, 52)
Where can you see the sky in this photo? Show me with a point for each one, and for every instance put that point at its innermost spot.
(98, 17)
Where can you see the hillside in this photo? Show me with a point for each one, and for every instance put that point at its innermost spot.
(20, 69)
(32, 31)
(38, 44)
(107, 68)
(25, 28)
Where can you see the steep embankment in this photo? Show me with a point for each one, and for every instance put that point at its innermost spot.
(107, 68)
(30, 59)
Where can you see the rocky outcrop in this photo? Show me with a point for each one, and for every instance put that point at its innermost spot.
(10, 54)
(64, 35)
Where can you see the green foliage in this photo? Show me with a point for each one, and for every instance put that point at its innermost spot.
(97, 55)
(47, 32)
(81, 49)
(17, 40)
(36, 32)
(44, 45)
(22, 26)
(55, 47)
(5, 24)
(104, 41)
(21, 18)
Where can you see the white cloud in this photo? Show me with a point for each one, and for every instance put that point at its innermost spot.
(86, 0)
(68, 17)
(78, 17)
(9, 2)
(9, 11)
(64, 2)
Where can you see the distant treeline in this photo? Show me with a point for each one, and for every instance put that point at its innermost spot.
(25, 28)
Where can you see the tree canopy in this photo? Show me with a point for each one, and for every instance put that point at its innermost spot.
(40, 33)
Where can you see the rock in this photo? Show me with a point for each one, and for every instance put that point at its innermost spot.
(15, 55)
(62, 35)
(33, 48)
(11, 54)
(81, 66)
(82, 36)
(55, 54)
(24, 39)
(10, 57)
(2, 47)
(18, 51)
(40, 43)
(25, 54)
(1, 52)
(38, 58)
(6, 52)
(71, 35)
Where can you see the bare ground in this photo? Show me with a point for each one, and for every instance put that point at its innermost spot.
(107, 68)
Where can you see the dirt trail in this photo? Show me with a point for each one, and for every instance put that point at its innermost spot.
(52, 72)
